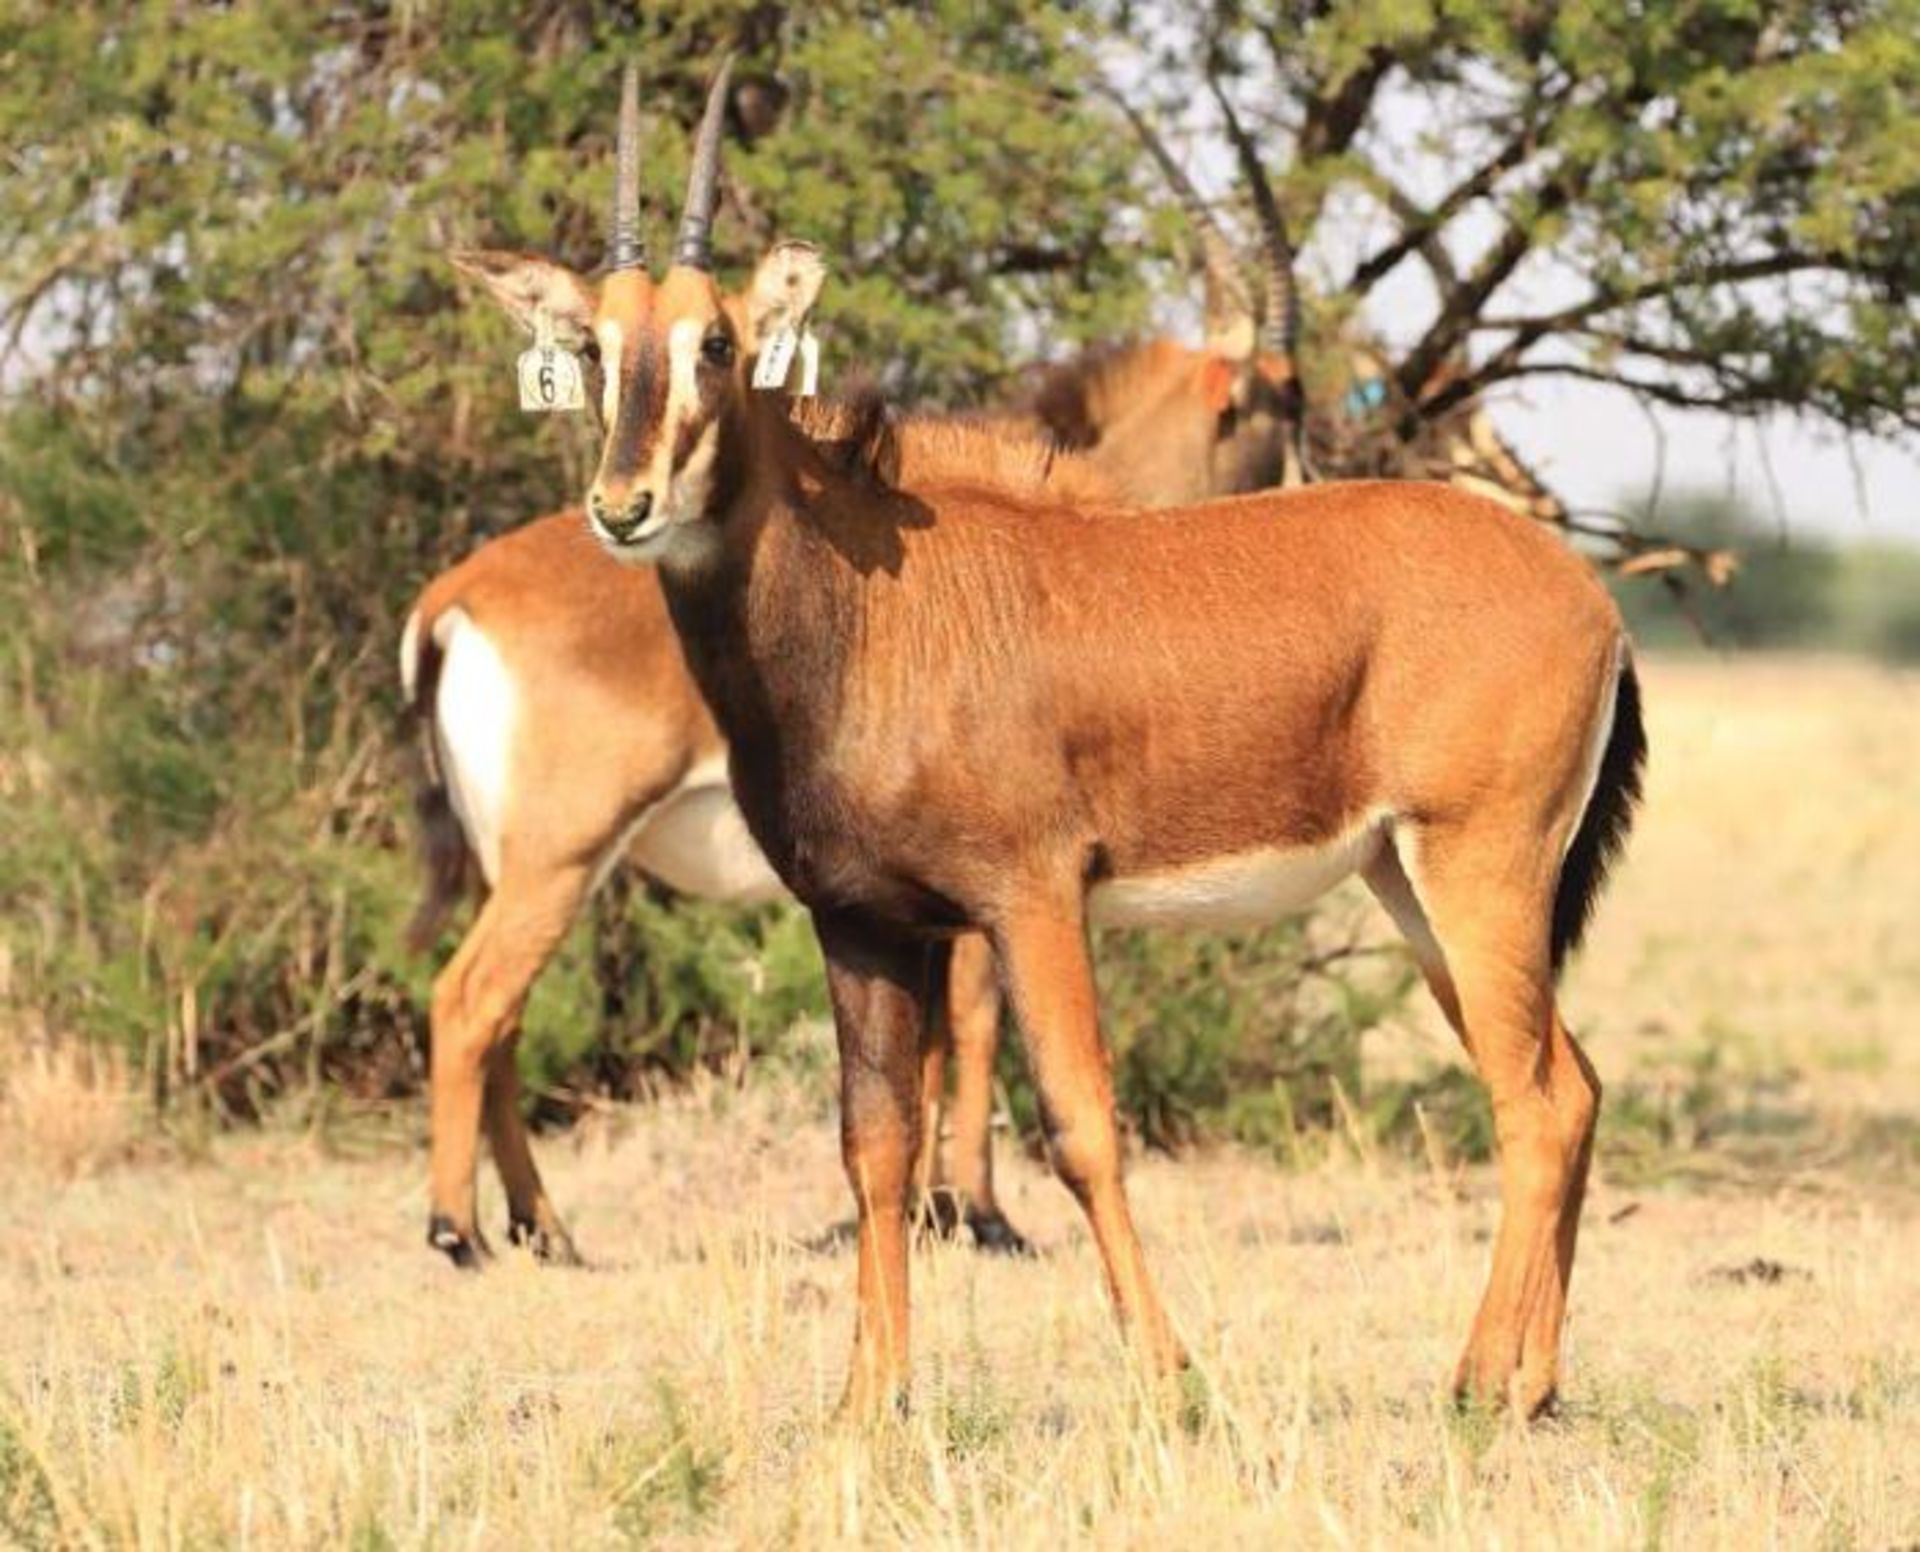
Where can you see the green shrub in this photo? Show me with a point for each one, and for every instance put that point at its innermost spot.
(1249, 1037)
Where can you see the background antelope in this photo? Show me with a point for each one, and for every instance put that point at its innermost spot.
(566, 734)
(959, 708)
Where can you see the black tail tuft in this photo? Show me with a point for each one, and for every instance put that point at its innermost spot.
(1603, 828)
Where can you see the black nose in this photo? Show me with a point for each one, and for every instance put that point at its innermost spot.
(621, 526)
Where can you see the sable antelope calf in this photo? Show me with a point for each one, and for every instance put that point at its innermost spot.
(566, 735)
(956, 708)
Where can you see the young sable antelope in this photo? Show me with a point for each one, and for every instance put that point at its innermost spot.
(566, 737)
(956, 708)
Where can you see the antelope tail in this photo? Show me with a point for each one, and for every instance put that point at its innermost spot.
(1609, 814)
(446, 859)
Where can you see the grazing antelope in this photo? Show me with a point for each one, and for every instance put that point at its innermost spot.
(958, 708)
(542, 667)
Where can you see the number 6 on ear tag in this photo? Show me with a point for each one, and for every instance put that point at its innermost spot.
(550, 379)
(775, 359)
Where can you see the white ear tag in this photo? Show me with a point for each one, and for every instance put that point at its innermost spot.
(550, 377)
(809, 366)
(775, 359)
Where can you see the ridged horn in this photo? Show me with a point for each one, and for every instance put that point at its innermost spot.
(693, 248)
(1280, 324)
(627, 249)
(1226, 281)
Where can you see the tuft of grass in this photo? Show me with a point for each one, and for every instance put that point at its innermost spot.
(28, 1515)
(667, 1480)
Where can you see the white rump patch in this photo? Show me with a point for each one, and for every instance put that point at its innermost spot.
(1248, 890)
(410, 657)
(696, 840)
(474, 712)
(1598, 740)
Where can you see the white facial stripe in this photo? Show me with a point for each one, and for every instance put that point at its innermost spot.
(611, 341)
(690, 491)
(683, 391)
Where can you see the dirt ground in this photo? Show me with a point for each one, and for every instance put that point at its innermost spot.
(254, 1348)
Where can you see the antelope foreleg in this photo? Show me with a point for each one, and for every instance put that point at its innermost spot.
(881, 989)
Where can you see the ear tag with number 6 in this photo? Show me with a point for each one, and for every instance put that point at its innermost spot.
(550, 378)
(775, 359)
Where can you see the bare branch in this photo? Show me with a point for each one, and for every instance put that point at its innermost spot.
(1420, 228)
(1665, 393)
(1462, 305)
(1764, 267)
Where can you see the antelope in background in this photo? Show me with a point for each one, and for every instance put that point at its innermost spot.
(960, 708)
(566, 736)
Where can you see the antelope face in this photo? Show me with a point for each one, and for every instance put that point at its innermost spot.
(1256, 410)
(672, 363)
(670, 368)
(671, 356)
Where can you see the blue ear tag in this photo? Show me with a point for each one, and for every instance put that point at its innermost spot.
(550, 376)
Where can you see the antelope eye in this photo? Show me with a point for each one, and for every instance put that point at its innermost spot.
(717, 350)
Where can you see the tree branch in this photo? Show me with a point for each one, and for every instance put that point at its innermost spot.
(1530, 331)
(1665, 393)
(1420, 228)
(1462, 305)
(1335, 117)
(1765, 267)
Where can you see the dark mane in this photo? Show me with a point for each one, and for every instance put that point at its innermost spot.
(864, 435)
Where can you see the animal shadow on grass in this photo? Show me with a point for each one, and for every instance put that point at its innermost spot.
(939, 1219)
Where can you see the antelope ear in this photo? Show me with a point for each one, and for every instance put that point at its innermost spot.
(1231, 333)
(527, 286)
(1221, 383)
(784, 289)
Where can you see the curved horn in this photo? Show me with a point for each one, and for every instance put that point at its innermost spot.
(1226, 281)
(1280, 325)
(627, 249)
(693, 247)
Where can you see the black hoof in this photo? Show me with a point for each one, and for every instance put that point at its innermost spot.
(467, 1254)
(550, 1247)
(995, 1236)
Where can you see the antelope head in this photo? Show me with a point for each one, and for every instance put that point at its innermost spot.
(671, 358)
(1250, 379)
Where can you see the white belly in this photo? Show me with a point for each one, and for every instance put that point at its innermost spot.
(1248, 890)
(696, 841)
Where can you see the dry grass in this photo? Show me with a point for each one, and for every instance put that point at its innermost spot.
(258, 1351)
(67, 1108)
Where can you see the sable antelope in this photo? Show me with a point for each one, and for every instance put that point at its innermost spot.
(566, 736)
(543, 668)
(1280, 438)
(957, 708)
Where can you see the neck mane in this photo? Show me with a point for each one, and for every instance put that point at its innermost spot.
(907, 452)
